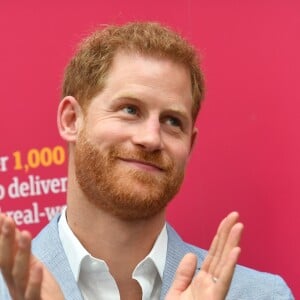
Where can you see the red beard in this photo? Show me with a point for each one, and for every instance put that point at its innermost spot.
(127, 193)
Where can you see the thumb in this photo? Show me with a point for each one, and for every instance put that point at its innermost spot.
(184, 276)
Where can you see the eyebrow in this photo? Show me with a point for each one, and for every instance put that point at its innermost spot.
(177, 111)
(121, 99)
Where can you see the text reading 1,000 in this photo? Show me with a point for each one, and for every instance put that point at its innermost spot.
(44, 157)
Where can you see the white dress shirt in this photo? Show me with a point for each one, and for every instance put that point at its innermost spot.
(92, 274)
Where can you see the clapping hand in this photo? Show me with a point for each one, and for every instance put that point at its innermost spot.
(213, 280)
(26, 277)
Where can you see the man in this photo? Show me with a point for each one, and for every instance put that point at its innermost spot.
(131, 95)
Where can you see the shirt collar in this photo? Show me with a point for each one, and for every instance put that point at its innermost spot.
(159, 251)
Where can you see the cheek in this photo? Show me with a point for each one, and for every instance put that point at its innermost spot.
(180, 155)
(103, 134)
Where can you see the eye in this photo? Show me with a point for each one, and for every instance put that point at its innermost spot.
(175, 122)
(130, 109)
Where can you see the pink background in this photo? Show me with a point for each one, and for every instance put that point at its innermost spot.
(247, 155)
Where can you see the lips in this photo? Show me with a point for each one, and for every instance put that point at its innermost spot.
(143, 164)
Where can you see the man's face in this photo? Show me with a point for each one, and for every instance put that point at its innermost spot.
(131, 154)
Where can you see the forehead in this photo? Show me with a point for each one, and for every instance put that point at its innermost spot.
(150, 76)
(133, 61)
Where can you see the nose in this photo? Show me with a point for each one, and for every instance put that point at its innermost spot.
(148, 135)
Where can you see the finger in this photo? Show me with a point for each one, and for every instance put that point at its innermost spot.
(1, 221)
(1, 224)
(210, 255)
(33, 289)
(233, 241)
(225, 277)
(223, 233)
(20, 271)
(183, 276)
(212, 252)
(7, 249)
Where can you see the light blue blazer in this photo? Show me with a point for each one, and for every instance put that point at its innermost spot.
(247, 284)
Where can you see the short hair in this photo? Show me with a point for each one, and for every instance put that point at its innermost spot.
(85, 74)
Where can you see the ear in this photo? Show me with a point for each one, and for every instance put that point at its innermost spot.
(194, 139)
(69, 118)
